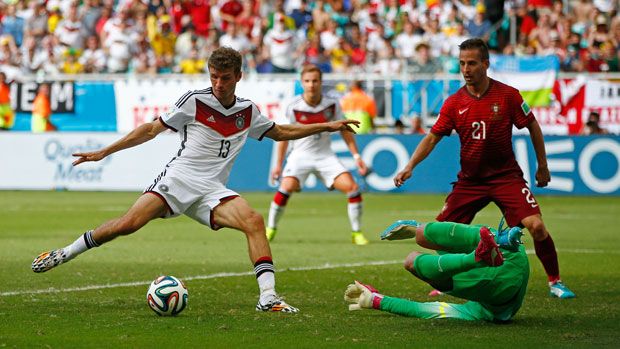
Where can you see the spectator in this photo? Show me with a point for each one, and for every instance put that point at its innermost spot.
(192, 64)
(406, 42)
(90, 12)
(249, 24)
(71, 64)
(143, 60)
(416, 126)
(9, 55)
(302, 15)
(36, 26)
(599, 34)
(48, 59)
(200, 14)
(399, 127)
(235, 40)
(341, 56)
(7, 117)
(387, 62)
(106, 14)
(592, 126)
(187, 41)
(118, 45)
(93, 59)
(435, 38)
(13, 25)
(69, 30)
(163, 45)
(229, 11)
(480, 26)
(29, 54)
(42, 111)
(319, 16)
(357, 105)
(329, 37)
(281, 47)
(424, 63)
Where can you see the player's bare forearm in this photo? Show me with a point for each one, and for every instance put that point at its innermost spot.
(543, 177)
(349, 139)
(281, 152)
(138, 136)
(291, 132)
(423, 149)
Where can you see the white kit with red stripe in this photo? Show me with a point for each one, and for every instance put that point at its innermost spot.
(212, 136)
(300, 112)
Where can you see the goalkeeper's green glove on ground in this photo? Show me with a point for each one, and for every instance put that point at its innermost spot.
(362, 296)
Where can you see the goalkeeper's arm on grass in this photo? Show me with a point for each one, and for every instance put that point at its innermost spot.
(363, 296)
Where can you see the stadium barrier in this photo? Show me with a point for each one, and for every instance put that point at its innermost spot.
(579, 165)
(120, 103)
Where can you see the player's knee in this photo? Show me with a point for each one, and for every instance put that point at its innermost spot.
(254, 223)
(537, 230)
(410, 261)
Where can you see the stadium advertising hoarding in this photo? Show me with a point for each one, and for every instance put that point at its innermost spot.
(62, 96)
(142, 100)
(579, 165)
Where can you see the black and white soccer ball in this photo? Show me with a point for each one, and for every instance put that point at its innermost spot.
(167, 296)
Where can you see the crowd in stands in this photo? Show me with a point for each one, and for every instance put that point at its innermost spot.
(341, 36)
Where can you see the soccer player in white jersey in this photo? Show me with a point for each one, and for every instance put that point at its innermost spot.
(314, 155)
(214, 124)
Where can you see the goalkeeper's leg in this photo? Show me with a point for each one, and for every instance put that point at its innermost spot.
(451, 237)
(442, 267)
(435, 310)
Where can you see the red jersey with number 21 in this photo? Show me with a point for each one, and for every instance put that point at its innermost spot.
(484, 126)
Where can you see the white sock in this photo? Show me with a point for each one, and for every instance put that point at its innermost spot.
(275, 212)
(81, 244)
(266, 278)
(267, 286)
(355, 211)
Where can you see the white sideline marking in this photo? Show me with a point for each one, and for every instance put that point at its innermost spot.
(247, 273)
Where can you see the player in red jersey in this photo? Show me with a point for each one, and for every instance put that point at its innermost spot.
(482, 113)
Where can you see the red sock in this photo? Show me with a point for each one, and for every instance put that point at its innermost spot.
(545, 250)
(281, 198)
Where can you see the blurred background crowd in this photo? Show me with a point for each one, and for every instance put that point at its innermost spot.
(341, 36)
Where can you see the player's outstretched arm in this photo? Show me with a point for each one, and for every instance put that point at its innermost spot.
(296, 131)
(421, 152)
(139, 135)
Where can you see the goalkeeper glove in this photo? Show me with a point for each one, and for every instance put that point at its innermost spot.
(362, 296)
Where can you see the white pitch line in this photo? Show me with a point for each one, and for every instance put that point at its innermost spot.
(247, 273)
(187, 278)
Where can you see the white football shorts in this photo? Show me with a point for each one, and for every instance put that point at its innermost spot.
(326, 169)
(184, 195)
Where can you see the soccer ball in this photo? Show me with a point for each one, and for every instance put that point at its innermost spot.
(167, 296)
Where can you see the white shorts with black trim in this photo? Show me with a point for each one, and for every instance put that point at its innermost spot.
(326, 169)
(195, 199)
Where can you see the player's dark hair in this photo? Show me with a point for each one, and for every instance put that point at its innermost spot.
(476, 44)
(311, 68)
(225, 58)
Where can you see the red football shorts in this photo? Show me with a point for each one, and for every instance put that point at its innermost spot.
(511, 195)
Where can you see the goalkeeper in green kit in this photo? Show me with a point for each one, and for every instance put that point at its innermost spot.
(489, 270)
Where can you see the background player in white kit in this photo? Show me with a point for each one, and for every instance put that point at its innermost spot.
(314, 155)
(214, 125)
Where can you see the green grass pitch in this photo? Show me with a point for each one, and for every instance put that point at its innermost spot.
(315, 260)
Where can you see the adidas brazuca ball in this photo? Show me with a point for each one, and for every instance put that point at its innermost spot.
(167, 296)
